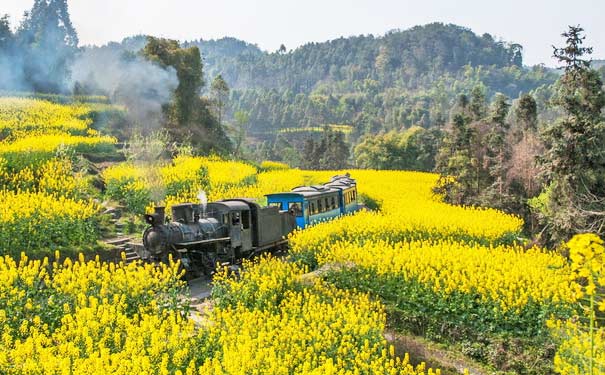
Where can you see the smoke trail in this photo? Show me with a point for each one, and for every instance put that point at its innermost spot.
(127, 79)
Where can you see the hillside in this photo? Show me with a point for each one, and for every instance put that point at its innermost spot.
(374, 83)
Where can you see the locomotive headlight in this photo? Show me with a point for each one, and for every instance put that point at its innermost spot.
(154, 240)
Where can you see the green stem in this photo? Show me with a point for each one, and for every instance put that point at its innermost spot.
(592, 323)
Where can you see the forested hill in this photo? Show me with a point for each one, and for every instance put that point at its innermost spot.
(394, 81)
(394, 59)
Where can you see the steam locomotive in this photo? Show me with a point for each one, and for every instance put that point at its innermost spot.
(227, 231)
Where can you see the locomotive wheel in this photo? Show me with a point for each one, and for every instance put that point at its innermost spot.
(209, 261)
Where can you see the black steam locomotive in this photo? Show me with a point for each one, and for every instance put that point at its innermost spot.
(230, 230)
(220, 232)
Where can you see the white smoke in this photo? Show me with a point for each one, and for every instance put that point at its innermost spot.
(203, 200)
(128, 79)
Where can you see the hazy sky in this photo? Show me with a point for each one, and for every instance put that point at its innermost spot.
(536, 24)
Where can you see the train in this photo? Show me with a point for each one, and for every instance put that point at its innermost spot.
(230, 230)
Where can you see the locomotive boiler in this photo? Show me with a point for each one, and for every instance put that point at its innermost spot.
(226, 231)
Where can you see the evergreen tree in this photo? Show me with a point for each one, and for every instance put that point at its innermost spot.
(477, 105)
(458, 169)
(498, 152)
(49, 42)
(526, 113)
(527, 147)
(310, 159)
(242, 119)
(336, 154)
(220, 94)
(6, 35)
(574, 161)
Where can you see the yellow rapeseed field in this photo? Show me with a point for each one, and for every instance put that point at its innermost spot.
(431, 262)
(20, 117)
(44, 202)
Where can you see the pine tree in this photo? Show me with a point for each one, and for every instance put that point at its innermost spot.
(455, 163)
(6, 35)
(50, 42)
(498, 151)
(477, 105)
(574, 162)
(220, 93)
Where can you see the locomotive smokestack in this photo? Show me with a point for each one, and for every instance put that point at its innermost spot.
(157, 218)
(160, 212)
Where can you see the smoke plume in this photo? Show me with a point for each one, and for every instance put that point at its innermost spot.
(128, 79)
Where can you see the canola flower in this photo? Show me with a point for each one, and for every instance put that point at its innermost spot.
(177, 182)
(49, 143)
(33, 130)
(93, 318)
(229, 173)
(295, 325)
(128, 184)
(582, 338)
(54, 176)
(575, 351)
(185, 174)
(32, 150)
(510, 276)
(435, 261)
(20, 117)
(34, 221)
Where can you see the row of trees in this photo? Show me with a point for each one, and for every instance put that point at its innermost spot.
(552, 173)
(376, 84)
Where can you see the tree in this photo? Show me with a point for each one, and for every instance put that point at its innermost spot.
(516, 54)
(456, 164)
(282, 49)
(242, 120)
(413, 149)
(336, 154)
(220, 94)
(48, 42)
(188, 65)
(574, 161)
(477, 105)
(527, 147)
(498, 151)
(188, 118)
(6, 35)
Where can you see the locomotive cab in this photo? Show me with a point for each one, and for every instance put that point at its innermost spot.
(235, 216)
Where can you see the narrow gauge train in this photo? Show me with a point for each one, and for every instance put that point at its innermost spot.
(232, 229)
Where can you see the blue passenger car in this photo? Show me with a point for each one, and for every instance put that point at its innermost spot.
(312, 204)
(347, 195)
